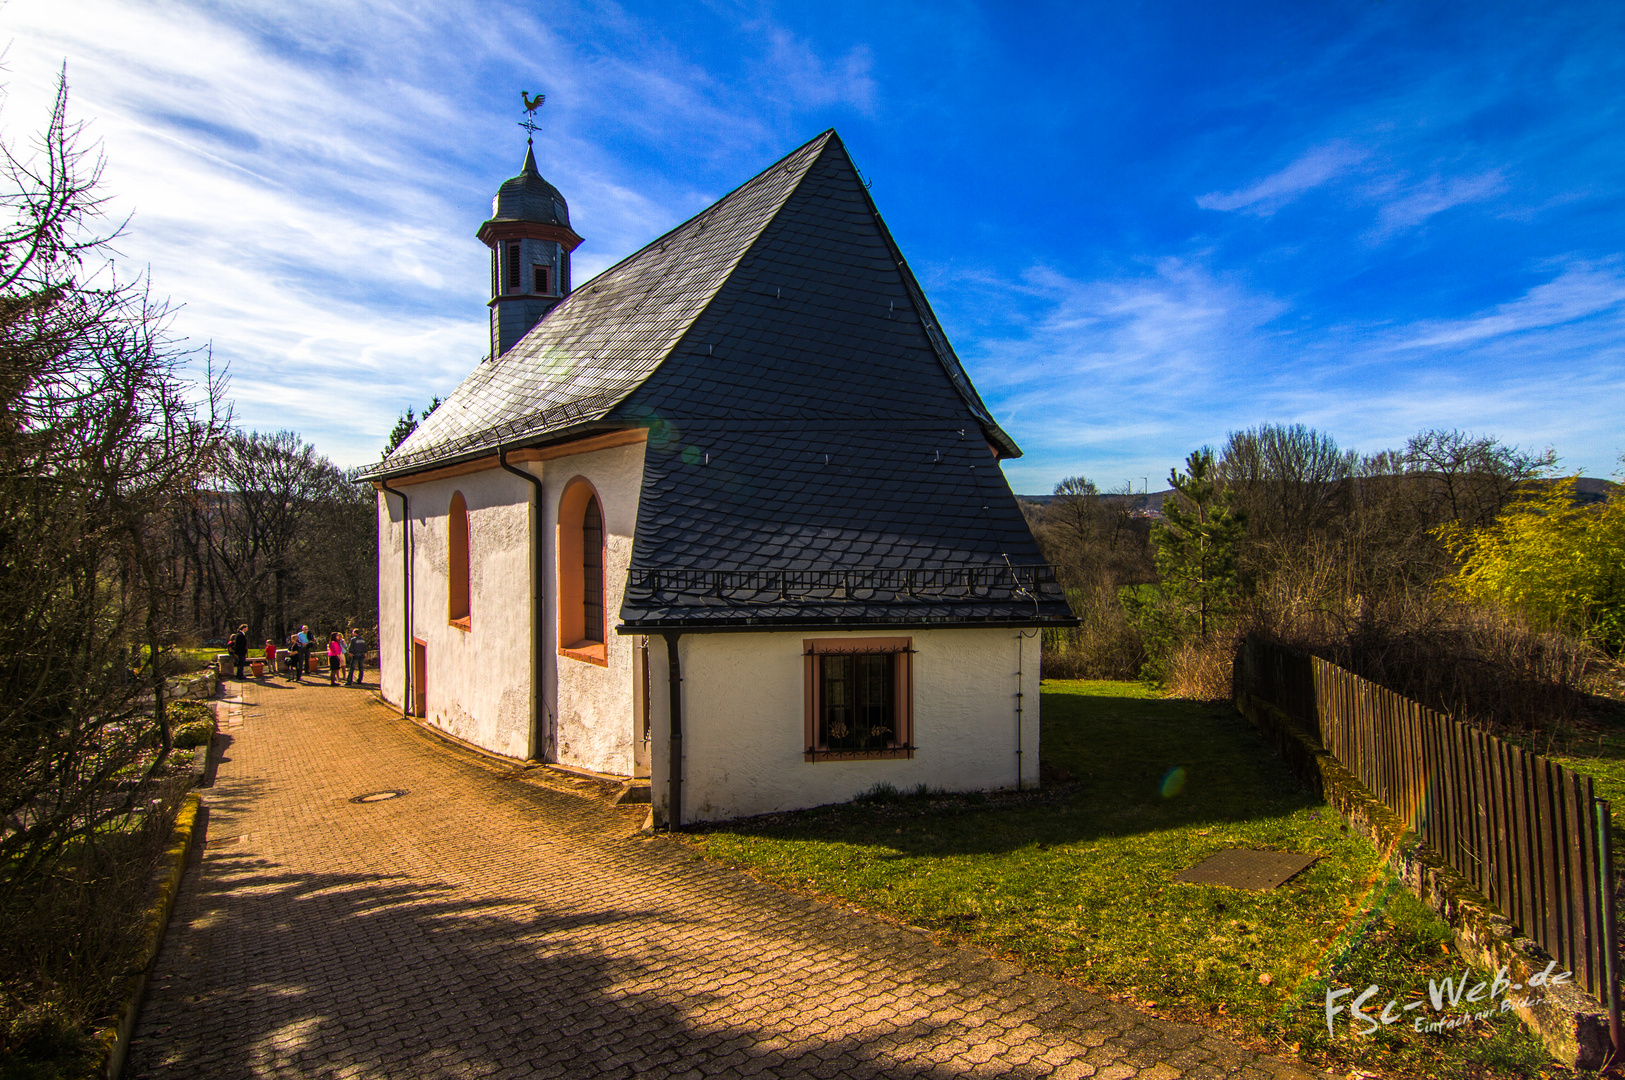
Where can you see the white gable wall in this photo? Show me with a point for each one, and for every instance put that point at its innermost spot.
(479, 680)
(744, 721)
(592, 705)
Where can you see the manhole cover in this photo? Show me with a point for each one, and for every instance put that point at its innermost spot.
(1243, 869)
(378, 796)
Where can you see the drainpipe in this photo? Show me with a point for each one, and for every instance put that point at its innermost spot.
(1021, 683)
(406, 597)
(675, 815)
(538, 699)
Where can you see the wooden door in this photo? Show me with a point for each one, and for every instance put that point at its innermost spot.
(420, 678)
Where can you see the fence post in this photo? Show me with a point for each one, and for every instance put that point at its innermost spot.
(1610, 939)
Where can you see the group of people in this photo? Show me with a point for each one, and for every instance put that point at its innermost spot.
(347, 653)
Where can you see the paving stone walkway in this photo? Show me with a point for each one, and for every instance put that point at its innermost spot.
(483, 925)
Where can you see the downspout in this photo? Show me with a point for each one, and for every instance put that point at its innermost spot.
(1021, 682)
(538, 699)
(406, 598)
(674, 817)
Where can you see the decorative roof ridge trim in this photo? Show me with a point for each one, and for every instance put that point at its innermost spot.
(856, 625)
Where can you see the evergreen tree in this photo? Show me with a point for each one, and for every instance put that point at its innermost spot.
(407, 424)
(1197, 543)
(1196, 547)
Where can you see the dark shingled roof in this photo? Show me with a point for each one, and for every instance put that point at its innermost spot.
(817, 454)
(749, 524)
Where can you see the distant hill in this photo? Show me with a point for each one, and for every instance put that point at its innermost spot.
(1589, 489)
(1149, 502)
(1592, 490)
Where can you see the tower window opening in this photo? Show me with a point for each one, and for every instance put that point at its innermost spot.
(514, 284)
(540, 275)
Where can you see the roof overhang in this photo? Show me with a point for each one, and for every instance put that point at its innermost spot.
(762, 626)
(497, 230)
(578, 439)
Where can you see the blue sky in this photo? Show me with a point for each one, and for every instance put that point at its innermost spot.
(1143, 226)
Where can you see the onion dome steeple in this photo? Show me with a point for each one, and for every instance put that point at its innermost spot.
(531, 240)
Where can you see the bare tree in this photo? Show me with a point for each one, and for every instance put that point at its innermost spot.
(1292, 483)
(288, 539)
(102, 441)
(1468, 478)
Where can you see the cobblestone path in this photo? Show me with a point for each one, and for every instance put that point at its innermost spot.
(485, 925)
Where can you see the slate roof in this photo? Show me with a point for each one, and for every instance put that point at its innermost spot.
(604, 339)
(808, 421)
(744, 524)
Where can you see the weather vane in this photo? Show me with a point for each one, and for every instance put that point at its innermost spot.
(531, 105)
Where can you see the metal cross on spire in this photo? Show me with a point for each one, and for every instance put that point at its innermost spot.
(529, 122)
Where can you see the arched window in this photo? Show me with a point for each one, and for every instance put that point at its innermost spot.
(581, 574)
(458, 577)
(592, 573)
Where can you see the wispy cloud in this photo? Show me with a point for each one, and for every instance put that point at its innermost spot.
(1315, 167)
(1582, 290)
(1106, 368)
(1119, 377)
(807, 78)
(1405, 206)
(1401, 203)
(311, 203)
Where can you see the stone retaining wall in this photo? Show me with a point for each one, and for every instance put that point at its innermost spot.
(1572, 1024)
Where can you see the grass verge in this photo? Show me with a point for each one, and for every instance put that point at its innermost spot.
(1075, 881)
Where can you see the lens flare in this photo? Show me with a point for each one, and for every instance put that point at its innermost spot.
(1173, 782)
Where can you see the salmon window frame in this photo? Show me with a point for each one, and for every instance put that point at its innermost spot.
(849, 702)
(459, 572)
(580, 582)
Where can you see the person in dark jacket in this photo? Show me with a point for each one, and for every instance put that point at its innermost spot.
(238, 647)
(355, 651)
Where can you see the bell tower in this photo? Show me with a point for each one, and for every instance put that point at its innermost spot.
(531, 240)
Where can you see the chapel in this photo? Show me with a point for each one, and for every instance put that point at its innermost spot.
(729, 516)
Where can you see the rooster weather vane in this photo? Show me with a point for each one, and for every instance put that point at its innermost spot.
(531, 105)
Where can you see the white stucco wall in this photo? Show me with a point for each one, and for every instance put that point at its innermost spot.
(389, 650)
(479, 681)
(744, 714)
(592, 705)
(743, 704)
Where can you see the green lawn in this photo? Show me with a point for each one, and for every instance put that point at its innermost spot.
(1076, 881)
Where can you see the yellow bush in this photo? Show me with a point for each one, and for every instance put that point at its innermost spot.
(1561, 565)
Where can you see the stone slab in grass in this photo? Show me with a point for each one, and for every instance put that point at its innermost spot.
(1240, 868)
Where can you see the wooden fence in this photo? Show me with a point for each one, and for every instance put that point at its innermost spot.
(1526, 832)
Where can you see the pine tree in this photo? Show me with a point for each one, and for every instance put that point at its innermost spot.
(407, 424)
(1197, 546)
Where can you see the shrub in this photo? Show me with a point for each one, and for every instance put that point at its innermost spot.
(884, 792)
(191, 736)
(1559, 564)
